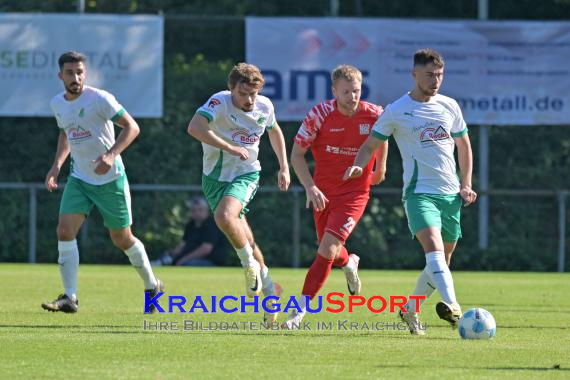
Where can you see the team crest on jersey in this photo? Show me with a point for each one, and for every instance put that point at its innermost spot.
(82, 112)
(364, 129)
(213, 103)
(242, 136)
(430, 136)
(261, 120)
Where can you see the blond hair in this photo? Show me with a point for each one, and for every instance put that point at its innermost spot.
(247, 74)
(347, 72)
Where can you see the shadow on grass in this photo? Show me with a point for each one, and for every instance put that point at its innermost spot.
(67, 326)
(555, 367)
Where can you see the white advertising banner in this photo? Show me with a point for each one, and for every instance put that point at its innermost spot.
(124, 57)
(501, 73)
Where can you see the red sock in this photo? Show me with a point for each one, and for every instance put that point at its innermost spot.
(342, 258)
(316, 276)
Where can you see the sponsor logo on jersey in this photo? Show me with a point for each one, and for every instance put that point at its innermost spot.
(343, 150)
(242, 136)
(409, 114)
(433, 135)
(75, 134)
(336, 130)
(213, 103)
(364, 129)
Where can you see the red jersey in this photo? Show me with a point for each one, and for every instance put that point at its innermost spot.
(334, 140)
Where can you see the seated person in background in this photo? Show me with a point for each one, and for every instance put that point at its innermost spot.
(203, 244)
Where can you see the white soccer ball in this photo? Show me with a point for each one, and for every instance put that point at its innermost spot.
(477, 323)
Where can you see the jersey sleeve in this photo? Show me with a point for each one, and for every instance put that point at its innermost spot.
(459, 127)
(311, 125)
(55, 114)
(271, 119)
(213, 108)
(384, 126)
(109, 107)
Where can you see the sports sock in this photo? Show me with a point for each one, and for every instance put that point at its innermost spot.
(341, 259)
(439, 273)
(303, 303)
(317, 275)
(423, 287)
(266, 282)
(245, 255)
(68, 261)
(139, 259)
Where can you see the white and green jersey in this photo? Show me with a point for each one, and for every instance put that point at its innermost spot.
(88, 124)
(424, 133)
(237, 127)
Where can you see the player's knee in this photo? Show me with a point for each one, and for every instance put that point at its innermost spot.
(122, 241)
(224, 219)
(65, 233)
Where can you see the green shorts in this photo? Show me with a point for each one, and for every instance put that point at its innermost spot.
(434, 210)
(113, 200)
(243, 188)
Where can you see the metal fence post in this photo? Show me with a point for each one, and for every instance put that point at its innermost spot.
(561, 230)
(33, 213)
(483, 200)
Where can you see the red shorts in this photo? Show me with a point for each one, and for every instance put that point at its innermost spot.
(340, 216)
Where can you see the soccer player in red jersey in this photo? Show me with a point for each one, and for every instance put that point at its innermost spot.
(334, 130)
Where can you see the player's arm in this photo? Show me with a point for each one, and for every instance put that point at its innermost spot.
(314, 194)
(465, 157)
(199, 129)
(200, 252)
(363, 157)
(61, 154)
(278, 144)
(130, 131)
(379, 173)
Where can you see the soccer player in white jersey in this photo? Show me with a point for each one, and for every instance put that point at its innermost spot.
(86, 118)
(230, 125)
(427, 127)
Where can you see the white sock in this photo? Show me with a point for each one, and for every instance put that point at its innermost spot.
(439, 273)
(68, 261)
(423, 287)
(138, 258)
(303, 301)
(267, 283)
(245, 255)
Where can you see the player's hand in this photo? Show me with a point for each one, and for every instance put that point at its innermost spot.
(51, 179)
(239, 151)
(378, 175)
(316, 198)
(468, 195)
(352, 172)
(104, 163)
(283, 179)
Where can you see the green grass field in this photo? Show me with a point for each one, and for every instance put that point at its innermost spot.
(106, 338)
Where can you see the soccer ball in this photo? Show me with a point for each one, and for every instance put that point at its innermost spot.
(477, 323)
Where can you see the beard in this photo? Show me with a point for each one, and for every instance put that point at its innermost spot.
(429, 91)
(74, 88)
